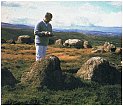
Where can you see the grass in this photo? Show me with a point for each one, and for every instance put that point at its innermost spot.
(19, 57)
(93, 94)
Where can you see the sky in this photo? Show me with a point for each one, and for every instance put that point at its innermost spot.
(65, 13)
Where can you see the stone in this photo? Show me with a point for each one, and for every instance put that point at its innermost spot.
(99, 70)
(106, 44)
(46, 72)
(7, 77)
(25, 39)
(99, 50)
(86, 44)
(109, 47)
(75, 43)
(11, 41)
(118, 51)
(59, 42)
(112, 48)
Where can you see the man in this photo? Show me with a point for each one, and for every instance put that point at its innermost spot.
(42, 32)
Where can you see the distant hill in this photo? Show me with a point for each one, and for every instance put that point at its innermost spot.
(17, 26)
(88, 30)
(12, 31)
(93, 30)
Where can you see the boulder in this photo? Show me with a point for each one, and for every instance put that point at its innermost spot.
(99, 50)
(59, 42)
(86, 44)
(109, 47)
(106, 44)
(76, 43)
(99, 70)
(44, 73)
(25, 39)
(7, 77)
(11, 41)
(118, 51)
(112, 48)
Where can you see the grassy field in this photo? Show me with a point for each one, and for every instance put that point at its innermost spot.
(19, 57)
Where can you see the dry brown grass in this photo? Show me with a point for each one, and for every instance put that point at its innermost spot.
(65, 57)
(13, 52)
(27, 52)
(68, 54)
(16, 57)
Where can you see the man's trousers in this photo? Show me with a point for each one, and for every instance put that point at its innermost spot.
(40, 52)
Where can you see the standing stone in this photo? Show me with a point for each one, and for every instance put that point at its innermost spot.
(75, 43)
(118, 51)
(59, 42)
(86, 44)
(46, 72)
(7, 77)
(100, 70)
(109, 47)
(25, 39)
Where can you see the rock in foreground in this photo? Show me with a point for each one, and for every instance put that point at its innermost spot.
(7, 77)
(46, 72)
(100, 70)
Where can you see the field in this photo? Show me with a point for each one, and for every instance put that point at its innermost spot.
(19, 57)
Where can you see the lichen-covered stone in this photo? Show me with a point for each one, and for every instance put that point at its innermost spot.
(46, 72)
(100, 70)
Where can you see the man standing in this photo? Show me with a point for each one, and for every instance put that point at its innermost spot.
(42, 32)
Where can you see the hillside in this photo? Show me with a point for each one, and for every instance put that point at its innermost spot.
(18, 26)
(13, 33)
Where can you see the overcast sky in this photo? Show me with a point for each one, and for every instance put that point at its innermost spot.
(65, 13)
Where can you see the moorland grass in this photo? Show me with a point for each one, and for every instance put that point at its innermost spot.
(91, 93)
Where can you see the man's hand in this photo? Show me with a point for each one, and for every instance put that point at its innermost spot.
(48, 34)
